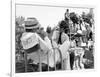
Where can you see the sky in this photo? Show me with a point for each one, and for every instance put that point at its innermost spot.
(47, 16)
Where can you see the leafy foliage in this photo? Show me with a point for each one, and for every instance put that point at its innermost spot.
(19, 29)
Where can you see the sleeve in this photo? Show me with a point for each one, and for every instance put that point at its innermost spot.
(55, 35)
(55, 39)
(43, 44)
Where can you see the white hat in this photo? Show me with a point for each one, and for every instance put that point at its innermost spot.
(79, 31)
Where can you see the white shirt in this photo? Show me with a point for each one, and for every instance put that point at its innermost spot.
(45, 45)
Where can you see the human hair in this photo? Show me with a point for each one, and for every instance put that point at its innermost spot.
(67, 10)
(29, 30)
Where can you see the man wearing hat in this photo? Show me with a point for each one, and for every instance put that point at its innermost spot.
(36, 43)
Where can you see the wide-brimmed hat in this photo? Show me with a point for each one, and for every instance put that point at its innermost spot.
(79, 33)
(31, 23)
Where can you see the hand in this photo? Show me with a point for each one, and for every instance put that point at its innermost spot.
(44, 33)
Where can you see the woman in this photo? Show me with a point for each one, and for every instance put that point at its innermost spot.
(60, 40)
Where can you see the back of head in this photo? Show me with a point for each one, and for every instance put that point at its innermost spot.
(31, 24)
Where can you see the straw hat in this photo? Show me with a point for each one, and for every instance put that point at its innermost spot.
(32, 23)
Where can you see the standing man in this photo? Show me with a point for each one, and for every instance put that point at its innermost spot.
(36, 44)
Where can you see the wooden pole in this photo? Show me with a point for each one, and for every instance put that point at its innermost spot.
(40, 66)
(25, 57)
(54, 59)
(48, 59)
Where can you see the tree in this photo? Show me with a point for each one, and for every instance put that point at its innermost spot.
(19, 29)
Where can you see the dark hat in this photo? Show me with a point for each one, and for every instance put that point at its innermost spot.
(32, 23)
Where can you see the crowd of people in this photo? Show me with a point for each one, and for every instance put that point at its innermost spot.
(68, 46)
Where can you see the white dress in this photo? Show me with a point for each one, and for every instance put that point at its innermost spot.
(63, 47)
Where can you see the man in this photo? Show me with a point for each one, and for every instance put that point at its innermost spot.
(65, 23)
(36, 43)
(78, 51)
(67, 15)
